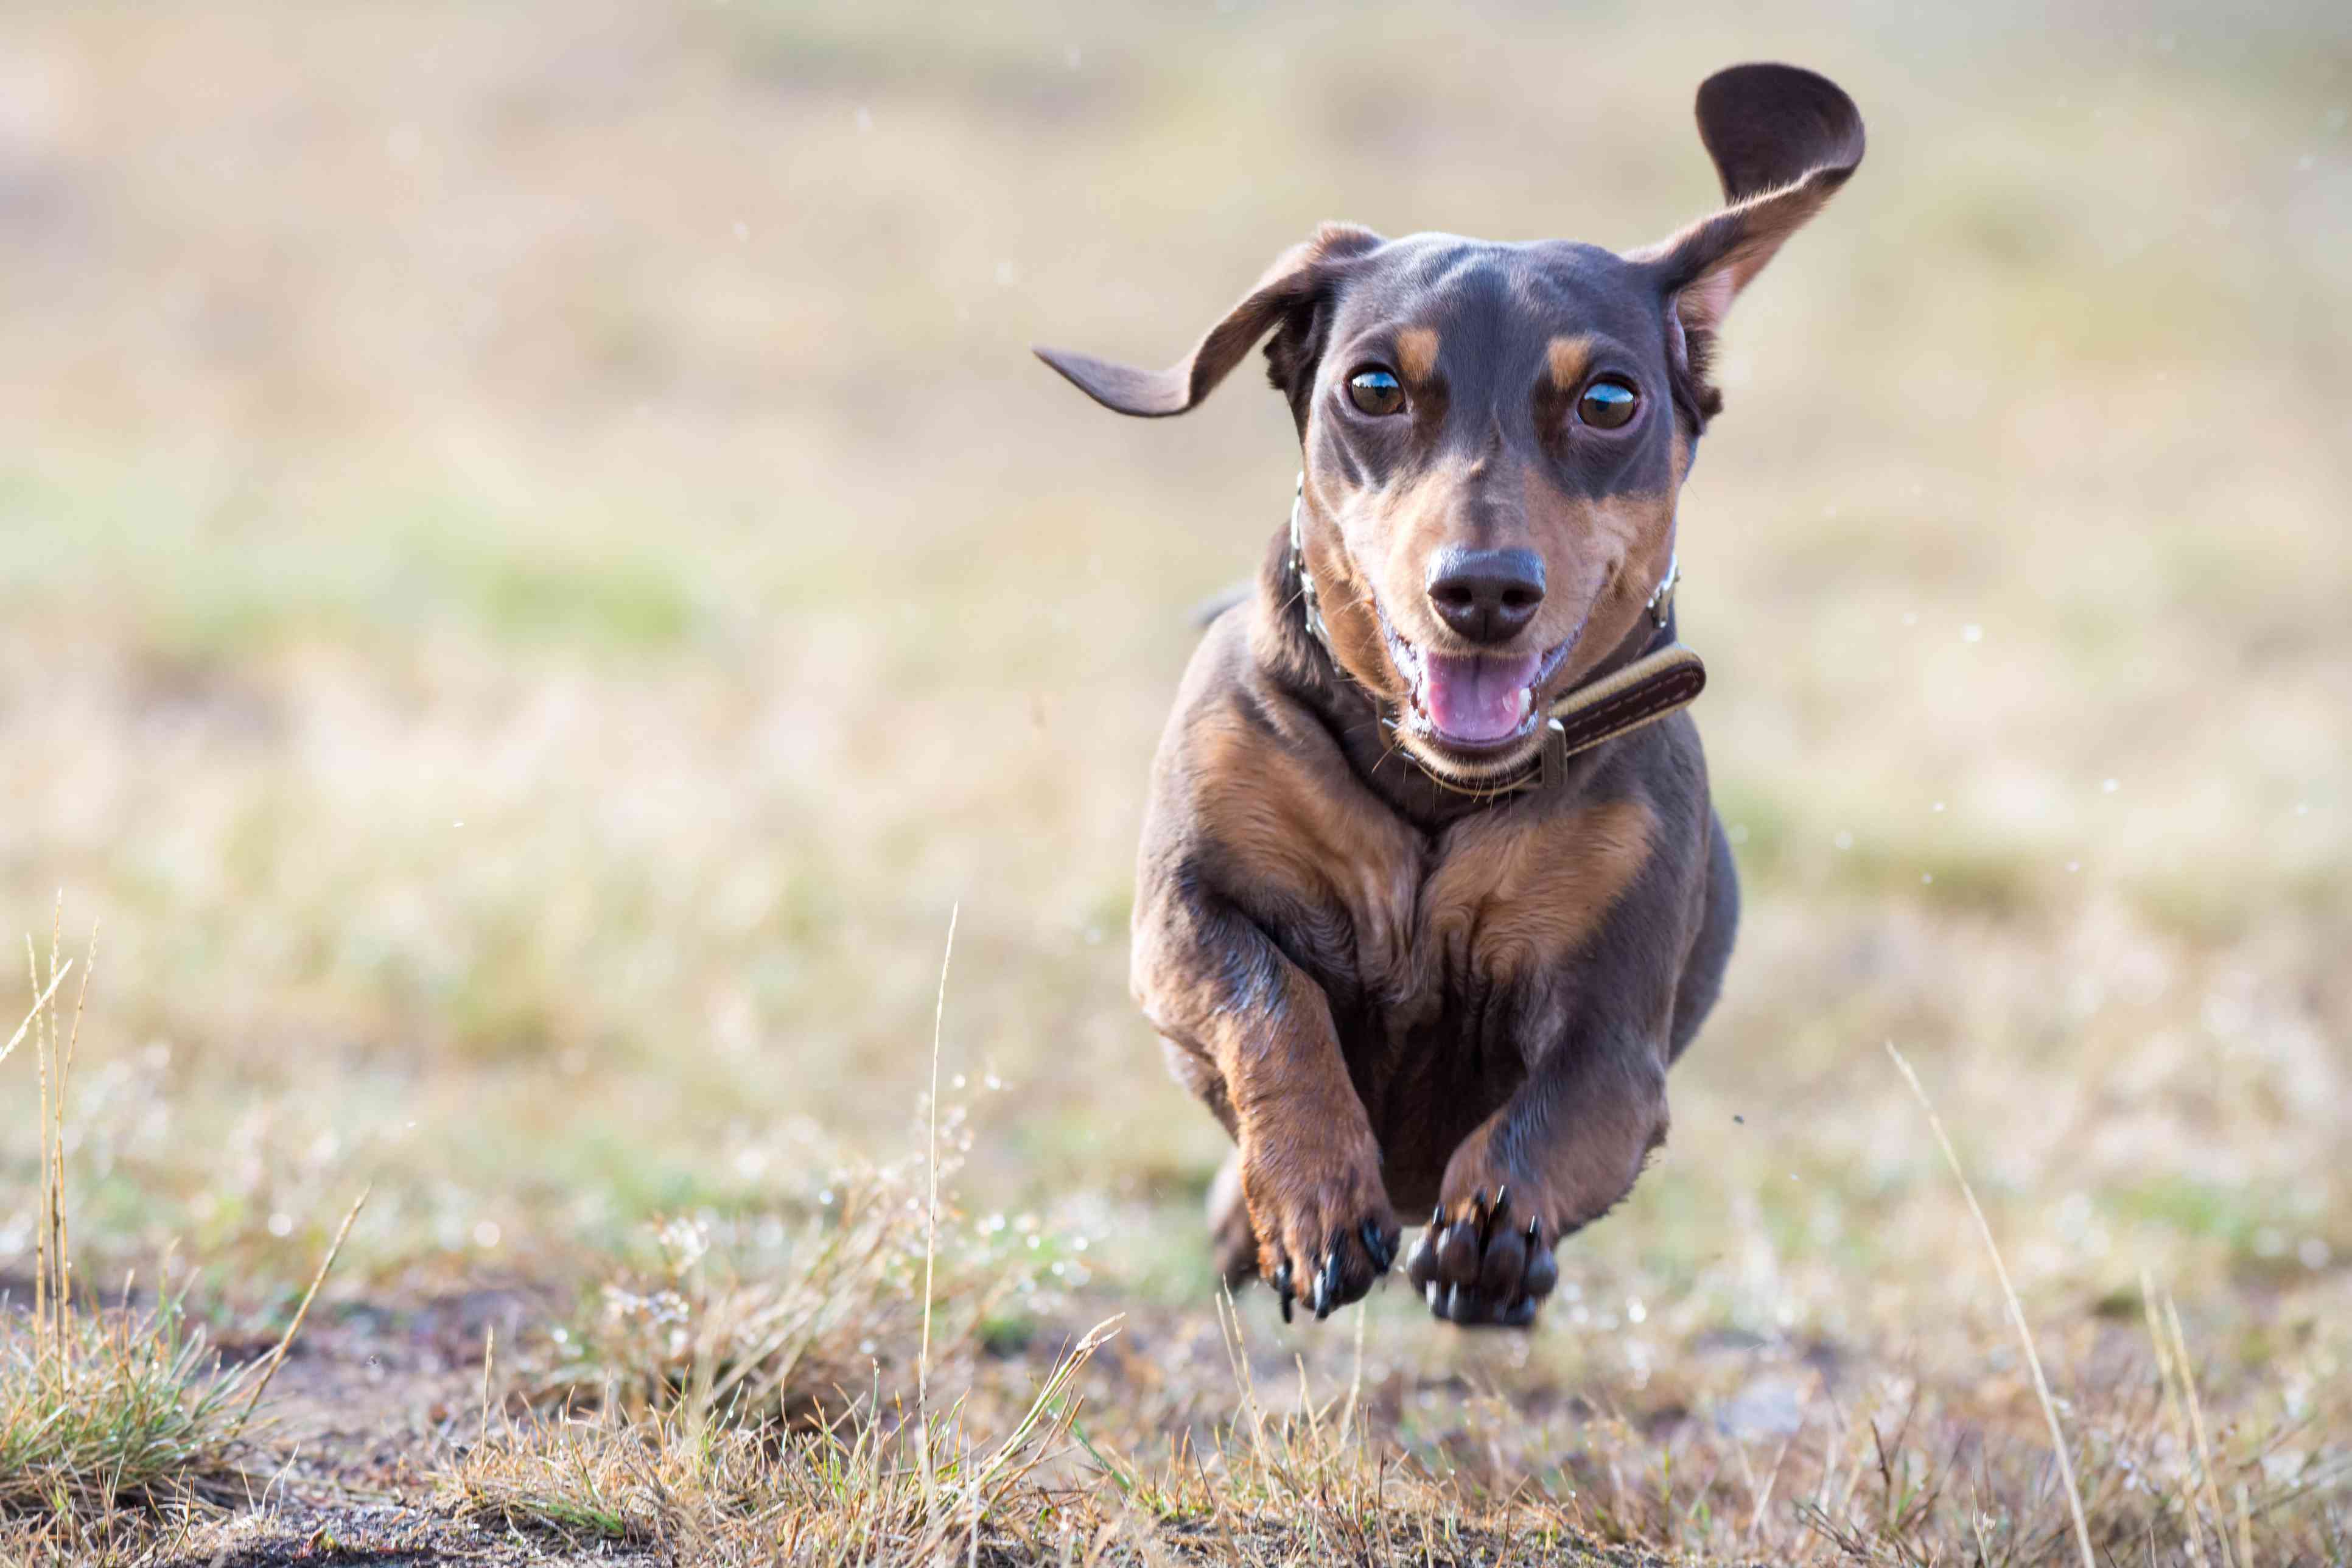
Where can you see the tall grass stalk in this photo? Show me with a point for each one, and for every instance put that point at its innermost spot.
(2016, 1310)
(931, 1199)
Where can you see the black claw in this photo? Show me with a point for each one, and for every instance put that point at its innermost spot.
(1376, 1245)
(1326, 1289)
(1543, 1273)
(1282, 1289)
(1437, 1216)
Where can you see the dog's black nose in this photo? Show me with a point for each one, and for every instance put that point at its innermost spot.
(1485, 596)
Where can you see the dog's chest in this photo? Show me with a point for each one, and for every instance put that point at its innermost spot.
(1452, 965)
(1472, 938)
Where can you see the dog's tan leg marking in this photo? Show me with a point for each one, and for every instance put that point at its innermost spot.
(1295, 846)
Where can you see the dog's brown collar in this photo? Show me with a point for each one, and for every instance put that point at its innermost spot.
(1663, 678)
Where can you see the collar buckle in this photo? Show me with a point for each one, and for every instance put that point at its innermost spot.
(1553, 767)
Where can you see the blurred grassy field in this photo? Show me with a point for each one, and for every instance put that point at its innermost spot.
(536, 569)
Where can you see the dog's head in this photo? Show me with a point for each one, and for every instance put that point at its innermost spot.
(1494, 435)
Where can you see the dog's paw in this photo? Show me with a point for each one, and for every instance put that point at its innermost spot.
(1483, 1266)
(1324, 1230)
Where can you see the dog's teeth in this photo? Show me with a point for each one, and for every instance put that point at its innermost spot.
(1526, 700)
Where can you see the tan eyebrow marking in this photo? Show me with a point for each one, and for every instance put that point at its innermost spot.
(1416, 349)
(1570, 358)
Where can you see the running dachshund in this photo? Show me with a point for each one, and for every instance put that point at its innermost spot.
(1431, 891)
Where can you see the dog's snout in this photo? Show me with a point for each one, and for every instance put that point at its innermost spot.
(1485, 596)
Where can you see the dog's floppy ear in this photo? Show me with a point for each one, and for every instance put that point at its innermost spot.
(1285, 297)
(1783, 140)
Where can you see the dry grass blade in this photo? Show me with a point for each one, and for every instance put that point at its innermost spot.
(931, 1196)
(2197, 1424)
(41, 1004)
(2016, 1308)
(286, 1341)
(60, 1236)
(2171, 1377)
(1048, 1408)
(43, 1024)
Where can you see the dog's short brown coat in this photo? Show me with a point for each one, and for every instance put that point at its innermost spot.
(1393, 990)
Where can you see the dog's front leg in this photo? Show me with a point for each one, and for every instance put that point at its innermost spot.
(1558, 1154)
(1252, 1034)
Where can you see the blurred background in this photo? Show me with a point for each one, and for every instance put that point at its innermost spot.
(536, 570)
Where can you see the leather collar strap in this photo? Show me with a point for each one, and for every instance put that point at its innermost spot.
(1665, 678)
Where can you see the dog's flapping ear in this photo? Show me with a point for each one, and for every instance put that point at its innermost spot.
(1288, 297)
(1783, 140)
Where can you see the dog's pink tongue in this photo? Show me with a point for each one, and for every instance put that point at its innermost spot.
(1475, 697)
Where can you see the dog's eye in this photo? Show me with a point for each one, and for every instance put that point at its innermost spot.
(1375, 392)
(1607, 404)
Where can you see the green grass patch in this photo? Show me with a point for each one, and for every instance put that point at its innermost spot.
(211, 577)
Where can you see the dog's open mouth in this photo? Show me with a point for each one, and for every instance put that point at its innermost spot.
(1476, 703)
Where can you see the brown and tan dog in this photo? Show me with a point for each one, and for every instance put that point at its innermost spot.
(1426, 903)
